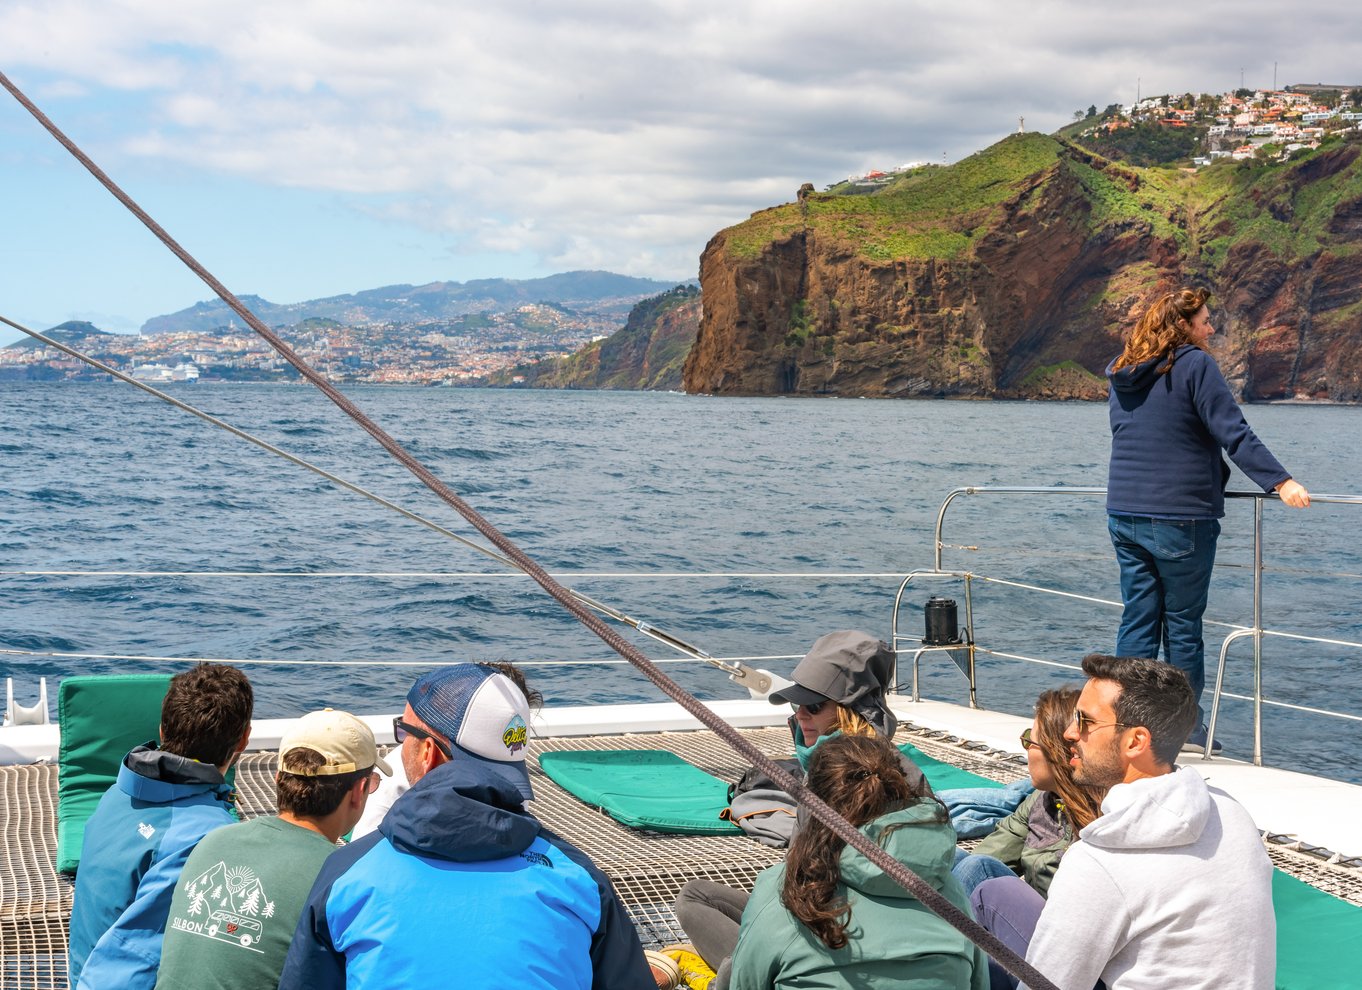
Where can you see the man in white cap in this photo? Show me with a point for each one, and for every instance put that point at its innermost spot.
(239, 896)
(460, 884)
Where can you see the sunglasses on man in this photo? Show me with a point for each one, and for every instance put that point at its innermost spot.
(403, 729)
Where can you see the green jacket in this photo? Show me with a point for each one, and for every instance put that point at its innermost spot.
(894, 941)
(1031, 840)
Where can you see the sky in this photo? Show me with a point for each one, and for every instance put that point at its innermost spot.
(318, 147)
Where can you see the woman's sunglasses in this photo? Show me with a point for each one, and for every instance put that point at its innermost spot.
(1026, 740)
(813, 709)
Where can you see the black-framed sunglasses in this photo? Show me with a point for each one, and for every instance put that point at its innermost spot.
(1086, 723)
(813, 709)
(402, 729)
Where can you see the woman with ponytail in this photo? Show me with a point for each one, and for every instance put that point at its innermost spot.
(1172, 414)
(829, 918)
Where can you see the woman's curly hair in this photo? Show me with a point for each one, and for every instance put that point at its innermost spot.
(1164, 327)
(861, 778)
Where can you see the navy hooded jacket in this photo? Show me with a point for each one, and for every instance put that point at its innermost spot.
(1167, 431)
(461, 886)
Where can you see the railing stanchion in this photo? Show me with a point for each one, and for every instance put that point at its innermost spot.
(1257, 632)
(969, 636)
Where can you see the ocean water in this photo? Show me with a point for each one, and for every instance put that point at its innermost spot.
(612, 490)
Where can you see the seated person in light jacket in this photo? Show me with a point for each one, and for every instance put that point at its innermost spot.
(828, 917)
(1030, 841)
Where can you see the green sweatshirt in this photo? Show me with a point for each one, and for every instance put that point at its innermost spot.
(236, 905)
(894, 941)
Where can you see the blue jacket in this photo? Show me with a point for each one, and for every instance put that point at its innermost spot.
(461, 885)
(1167, 432)
(135, 845)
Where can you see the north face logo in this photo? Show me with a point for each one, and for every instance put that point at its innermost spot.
(146, 830)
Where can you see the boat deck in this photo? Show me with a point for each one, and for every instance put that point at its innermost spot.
(647, 869)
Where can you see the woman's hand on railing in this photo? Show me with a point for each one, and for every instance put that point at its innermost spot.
(1293, 493)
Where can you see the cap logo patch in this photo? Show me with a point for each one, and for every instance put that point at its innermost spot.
(515, 734)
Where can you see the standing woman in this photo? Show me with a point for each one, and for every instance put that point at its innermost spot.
(1171, 415)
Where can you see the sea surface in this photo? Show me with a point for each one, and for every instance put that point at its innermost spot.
(700, 516)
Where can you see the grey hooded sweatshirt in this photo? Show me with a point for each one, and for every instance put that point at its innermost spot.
(1171, 887)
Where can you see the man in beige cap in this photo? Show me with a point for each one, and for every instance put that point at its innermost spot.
(241, 892)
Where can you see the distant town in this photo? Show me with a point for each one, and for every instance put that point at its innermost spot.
(1244, 124)
(460, 351)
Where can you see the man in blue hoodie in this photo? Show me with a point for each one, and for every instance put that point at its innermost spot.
(164, 801)
(460, 883)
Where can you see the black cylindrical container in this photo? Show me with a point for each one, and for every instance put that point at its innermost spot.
(943, 627)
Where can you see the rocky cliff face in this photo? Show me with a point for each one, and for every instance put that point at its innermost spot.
(1026, 285)
(647, 353)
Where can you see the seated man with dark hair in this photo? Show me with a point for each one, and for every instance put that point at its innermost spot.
(244, 886)
(461, 885)
(1171, 886)
(164, 801)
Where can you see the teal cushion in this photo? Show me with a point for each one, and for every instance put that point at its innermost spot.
(101, 718)
(644, 788)
(1319, 937)
(943, 776)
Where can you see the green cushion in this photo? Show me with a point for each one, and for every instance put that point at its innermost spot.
(101, 718)
(943, 776)
(1319, 937)
(644, 788)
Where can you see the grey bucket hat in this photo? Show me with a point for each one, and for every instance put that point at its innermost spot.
(849, 667)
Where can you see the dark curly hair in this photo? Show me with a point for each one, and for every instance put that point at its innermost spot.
(861, 778)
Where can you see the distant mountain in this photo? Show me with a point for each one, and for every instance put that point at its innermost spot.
(67, 333)
(646, 354)
(602, 292)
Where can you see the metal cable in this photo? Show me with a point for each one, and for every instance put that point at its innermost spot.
(910, 881)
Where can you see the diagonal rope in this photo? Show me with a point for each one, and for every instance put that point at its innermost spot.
(910, 881)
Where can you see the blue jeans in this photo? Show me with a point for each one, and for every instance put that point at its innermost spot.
(972, 869)
(1166, 569)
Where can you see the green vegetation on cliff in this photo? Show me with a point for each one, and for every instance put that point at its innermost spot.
(936, 213)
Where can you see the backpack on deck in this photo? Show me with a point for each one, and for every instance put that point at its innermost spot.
(761, 809)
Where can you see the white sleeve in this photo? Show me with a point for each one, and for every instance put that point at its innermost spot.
(389, 790)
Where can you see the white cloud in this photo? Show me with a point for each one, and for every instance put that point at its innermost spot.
(621, 135)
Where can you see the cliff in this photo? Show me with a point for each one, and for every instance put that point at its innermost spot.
(1015, 273)
(646, 353)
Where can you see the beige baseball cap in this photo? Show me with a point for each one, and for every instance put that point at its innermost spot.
(344, 742)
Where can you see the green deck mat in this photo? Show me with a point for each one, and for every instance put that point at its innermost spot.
(943, 776)
(1319, 937)
(101, 718)
(644, 788)
(655, 789)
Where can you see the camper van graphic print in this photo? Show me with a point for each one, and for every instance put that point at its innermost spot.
(227, 904)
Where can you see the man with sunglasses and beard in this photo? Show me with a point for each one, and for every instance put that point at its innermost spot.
(460, 883)
(1171, 886)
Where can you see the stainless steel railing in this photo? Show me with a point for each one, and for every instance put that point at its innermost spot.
(1255, 631)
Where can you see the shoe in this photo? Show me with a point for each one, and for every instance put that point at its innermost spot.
(665, 972)
(1196, 742)
(695, 972)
